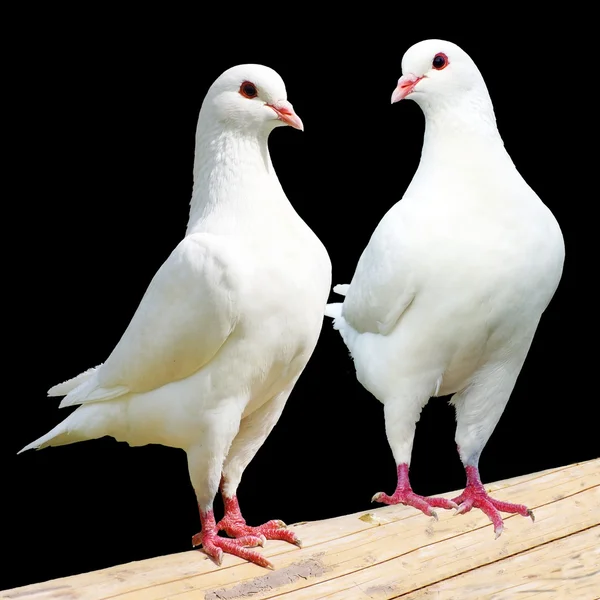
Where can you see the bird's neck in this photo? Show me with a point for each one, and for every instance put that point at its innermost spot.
(233, 175)
(468, 123)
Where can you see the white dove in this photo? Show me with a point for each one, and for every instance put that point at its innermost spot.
(227, 324)
(448, 293)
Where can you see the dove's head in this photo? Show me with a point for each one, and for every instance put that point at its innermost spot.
(251, 97)
(436, 72)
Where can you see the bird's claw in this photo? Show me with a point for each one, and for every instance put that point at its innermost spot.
(272, 530)
(214, 546)
(462, 508)
(409, 498)
(284, 535)
(475, 496)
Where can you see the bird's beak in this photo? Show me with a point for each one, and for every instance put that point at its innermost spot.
(406, 84)
(285, 112)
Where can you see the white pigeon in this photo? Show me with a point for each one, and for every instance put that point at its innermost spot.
(448, 293)
(227, 324)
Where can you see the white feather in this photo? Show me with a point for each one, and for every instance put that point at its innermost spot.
(341, 288)
(231, 318)
(67, 386)
(447, 295)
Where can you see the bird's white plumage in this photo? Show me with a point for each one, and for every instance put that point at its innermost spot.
(190, 307)
(231, 318)
(448, 293)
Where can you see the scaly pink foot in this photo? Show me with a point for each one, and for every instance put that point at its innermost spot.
(234, 524)
(214, 546)
(475, 496)
(405, 495)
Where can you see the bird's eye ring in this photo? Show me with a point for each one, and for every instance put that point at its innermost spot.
(440, 61)
(248, 90)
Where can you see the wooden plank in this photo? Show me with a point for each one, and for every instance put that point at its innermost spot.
(381, 567)
(567, 568)
(391, 532)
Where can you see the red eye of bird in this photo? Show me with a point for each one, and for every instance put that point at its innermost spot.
(440, 61)
(248, 90)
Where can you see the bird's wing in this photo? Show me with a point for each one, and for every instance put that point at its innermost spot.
(189, 310)
(384, 283)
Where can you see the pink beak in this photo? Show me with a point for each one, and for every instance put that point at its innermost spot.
(285, 112)
(406, 84)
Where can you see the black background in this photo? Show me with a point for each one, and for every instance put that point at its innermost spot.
(104, 107)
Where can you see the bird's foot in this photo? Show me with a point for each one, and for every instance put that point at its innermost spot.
(234, 525)
(475, 496)
(405, 495)
(215, 546)
(425, 504)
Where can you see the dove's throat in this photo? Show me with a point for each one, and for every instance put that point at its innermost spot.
(467, 118)
(235, 183)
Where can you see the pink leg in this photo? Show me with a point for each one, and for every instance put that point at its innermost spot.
(214, 546)
(405, 495)
(475, 496)
(235, 525)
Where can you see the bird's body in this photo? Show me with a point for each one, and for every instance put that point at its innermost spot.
(448, 293)
(227, 324)
(437, 286)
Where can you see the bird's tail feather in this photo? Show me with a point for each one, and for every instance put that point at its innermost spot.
(334, 310)
(62, 389)
(341, 288)
(88, 422)
(58, 436)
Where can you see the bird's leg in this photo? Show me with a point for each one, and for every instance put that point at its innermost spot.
(401, 416)
(253, 431)
(214, 546)
(205, 462)
(234, 524)
(475, 496)
(405, 495)
(478, 410)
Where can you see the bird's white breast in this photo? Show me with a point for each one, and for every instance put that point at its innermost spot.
(480, 256)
